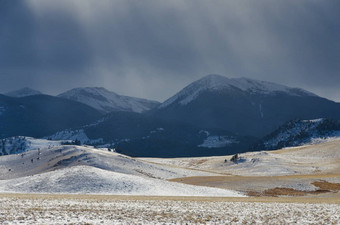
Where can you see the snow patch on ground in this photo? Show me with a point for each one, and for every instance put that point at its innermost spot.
(157, 130)
(74, 135)
(207, 133)
(217, 142)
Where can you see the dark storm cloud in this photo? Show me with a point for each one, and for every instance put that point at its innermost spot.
(153, 48)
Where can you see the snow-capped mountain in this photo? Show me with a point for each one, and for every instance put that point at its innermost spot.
(215, 82)
(108, 101)
(243, 106)
(301, 132)
(23, 92)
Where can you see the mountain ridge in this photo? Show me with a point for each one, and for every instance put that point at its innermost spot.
(108, 101)
(243, 106)
(218, 82)
(23, 92)
(214, 115)
(41, 115)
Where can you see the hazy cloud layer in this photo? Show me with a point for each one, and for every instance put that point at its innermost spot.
(153, 48)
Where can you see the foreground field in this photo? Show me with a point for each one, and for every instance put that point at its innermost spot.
(82, 209)
(85, 185)
(311, 170)
(327, 186)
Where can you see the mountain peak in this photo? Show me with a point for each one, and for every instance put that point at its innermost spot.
(91, 92)
(23, 92)
(108, 101)
(215, 82)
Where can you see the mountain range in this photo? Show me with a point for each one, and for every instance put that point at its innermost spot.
(23, 92)
(214, 115)
(40, 115)
(244, 106)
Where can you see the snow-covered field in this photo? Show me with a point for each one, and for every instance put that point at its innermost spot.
(53, 158)
(48, 167)
(88, 170)
(91, 180)
(310, 159)
(295, 171)
(50, 210)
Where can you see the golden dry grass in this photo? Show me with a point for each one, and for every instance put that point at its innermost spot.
(216, 181)
(274, 192)
(269, 186)
(327, 185)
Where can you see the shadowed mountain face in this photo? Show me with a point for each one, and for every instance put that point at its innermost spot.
(143, 135)
(41, 115)
(244, 106)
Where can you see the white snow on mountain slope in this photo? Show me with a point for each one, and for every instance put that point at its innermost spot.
(301, 132)
(217, 142)
(108, 101)
(75, 135)
(19, 144)
(23, 92)
(90, 180)
(218, 82)
(78, 135)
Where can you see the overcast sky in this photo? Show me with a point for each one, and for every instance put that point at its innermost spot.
(153, 48)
